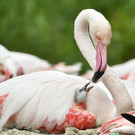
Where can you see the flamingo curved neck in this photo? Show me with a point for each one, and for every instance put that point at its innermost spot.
(81, 34)
(110, 79)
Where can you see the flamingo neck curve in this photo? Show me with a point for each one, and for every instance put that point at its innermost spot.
(81, 35)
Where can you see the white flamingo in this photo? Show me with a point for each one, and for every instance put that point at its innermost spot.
(110, 79)
(43, 100)
(16, 63)
(31, 63)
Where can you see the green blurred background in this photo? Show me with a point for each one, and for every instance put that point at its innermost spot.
(45, 28)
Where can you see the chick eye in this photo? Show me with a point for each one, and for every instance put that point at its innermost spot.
(80, 90)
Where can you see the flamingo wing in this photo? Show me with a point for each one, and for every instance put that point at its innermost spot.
(40, 97)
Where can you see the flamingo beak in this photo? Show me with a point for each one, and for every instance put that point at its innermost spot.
(101, 61)
(129, 117)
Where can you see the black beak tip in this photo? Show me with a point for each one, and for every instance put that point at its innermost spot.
(129, 117)
(97, 75)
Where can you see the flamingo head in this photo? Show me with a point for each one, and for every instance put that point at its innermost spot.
(100, 32)
(5, 70)
(9, 68)
(81, 94)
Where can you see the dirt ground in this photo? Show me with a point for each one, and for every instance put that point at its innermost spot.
(69, 131)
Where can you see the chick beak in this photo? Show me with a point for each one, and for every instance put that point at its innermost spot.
(86, 88)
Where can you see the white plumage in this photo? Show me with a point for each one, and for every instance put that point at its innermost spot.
(37, 97)
(124, 68)
(45, 95)
(30, 63)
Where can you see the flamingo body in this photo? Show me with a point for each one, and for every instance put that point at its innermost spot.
(49, 97)
(30, 63)
(17, 63)
(76, 117)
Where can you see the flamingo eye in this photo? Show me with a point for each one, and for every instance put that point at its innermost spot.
(80, 90)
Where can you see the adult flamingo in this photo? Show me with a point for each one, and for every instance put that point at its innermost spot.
(110, 79)
(43, 100)
(31, 63)
(16, 63)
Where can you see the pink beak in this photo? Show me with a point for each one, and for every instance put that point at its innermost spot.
(101, 61)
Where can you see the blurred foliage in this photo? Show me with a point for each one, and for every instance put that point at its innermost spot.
(45, 28)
